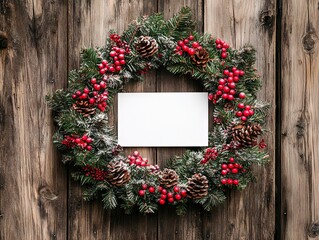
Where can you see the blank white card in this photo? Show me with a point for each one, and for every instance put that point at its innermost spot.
(176, 119)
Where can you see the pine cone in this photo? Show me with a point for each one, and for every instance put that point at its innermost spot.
(84, 107)
(246, 134)
(117, 173)
(200, 58)
(229, 106)
(168, 178)
(146, 46)
(117, 150)
(197, 186)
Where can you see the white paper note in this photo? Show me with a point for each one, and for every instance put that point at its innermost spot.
(175, 119)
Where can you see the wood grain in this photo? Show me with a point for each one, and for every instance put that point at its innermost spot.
(249, 214)
(300, 117)
(33, 63)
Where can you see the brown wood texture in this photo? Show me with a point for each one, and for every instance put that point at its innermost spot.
(300, 117)
(248, 214)
(33, 63)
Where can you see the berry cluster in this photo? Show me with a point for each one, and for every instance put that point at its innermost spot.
(210, 154)
(96, 173)
(226, 85)
(118, 56)
(144, 189)
(230, 168)
(119, 43)
(171, 197)
(98, 96)
(82, 142)
(244, 112)
(137, 159)
(188, 46)
(223, 46)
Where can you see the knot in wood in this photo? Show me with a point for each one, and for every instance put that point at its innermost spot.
(266, 18)
(3, 40)
(314, 230)
(308, 42)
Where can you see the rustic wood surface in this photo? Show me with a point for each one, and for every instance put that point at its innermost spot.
(300, 118)
(40, 42)
(33, 63)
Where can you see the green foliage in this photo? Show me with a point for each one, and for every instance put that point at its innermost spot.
(90, 166)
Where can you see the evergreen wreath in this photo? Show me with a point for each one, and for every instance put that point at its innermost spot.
(201, 176)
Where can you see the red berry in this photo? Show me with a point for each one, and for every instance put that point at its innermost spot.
(247, 107)
(97, 87)
(112, 69)
(239, 114)
(232, 91)
(236, 165)
(78, 93)
(195, 44)
(224, 166)
(230, 79)
(93, 80)
(223, 172)
(183, 193)
(141, 193)
(235, 182)
(232, 85)
(118, 68)
(234, 69)
(224, 181)
(115, 58)
(100, 66)
(86, 90)
(230, 165)
(144, 186)
(220, 87)
(224, 49)
(185, 48)
(221, 81)
(113, 54)
(246, 113)
(136, 153)
(161, 201)
(234, 170)
(200, 48)
(230, 181)
(89, 148)
(122, 62)
(104, 62)
(178, 197)
(84, 137)
(102, 71)
(231, 160)
(225, 96)
(219, 93)
(180, 43)
(224, 55)
(191, 51)
(73, 96)
(171, 200)
(241, 105)
(190, 37)
(164, 191)
(236, 72)
(84, 96)
(121, 56)
(241, 72)
(251, 112)
(242, 95)
(218, 41)
(122, 51)
(77, 140)
(89, 140)
(219, 46)
(117, 63)
(243, 118)
(160, 188)
(169, 194)
(186, 41)
(163, 196)
(226, 89)
(230, 97)
(176, 189)
(151, 189)
(226, 72)
(102, 84)
(236, 79)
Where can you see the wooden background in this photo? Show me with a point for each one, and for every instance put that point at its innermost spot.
(40, 42)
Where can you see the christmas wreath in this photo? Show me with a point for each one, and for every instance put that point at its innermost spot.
(202, 176)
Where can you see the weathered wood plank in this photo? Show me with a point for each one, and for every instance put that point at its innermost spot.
(33, 63)
(89, 24)
(300, 117)
(171, 226)
(250, 214)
